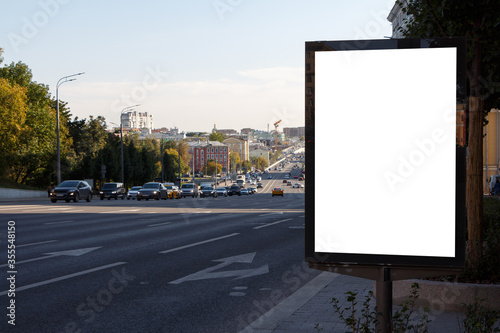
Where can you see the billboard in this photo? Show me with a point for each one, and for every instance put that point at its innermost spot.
(386, 180)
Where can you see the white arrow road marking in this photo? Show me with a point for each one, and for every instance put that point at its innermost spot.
(65, 277)
(239, 274)
(74, 253)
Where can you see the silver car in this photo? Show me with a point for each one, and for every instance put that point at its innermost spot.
(132, 193)
(152, 190)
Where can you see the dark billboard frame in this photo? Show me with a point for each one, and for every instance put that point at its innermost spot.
(312, 182)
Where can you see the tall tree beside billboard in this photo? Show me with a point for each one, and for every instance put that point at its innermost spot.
(478, 22)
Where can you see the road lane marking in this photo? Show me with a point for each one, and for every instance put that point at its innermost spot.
(158, 224)
(18, 207)
(73, 253)
(280, 213)
(50, 241)
(121, 211)
(270, 224)
(65, 277)
(199, 243)
(60, 222)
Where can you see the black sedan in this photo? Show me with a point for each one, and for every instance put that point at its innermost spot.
(152, 190)
(208, 191)
(234, 190)
(72, 190)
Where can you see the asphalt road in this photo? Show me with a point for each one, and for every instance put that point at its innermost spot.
(188, 265)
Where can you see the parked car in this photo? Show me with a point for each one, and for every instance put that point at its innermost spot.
(221, 191)
(189, 190)
(152, 190)
(277, 191)
(208, 191)
(132, 193)
(71, 190)
(112, 190)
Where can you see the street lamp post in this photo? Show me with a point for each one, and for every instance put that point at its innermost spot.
(60, 82)
(121, 138)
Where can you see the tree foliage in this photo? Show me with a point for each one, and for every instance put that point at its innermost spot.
(28, 140)
(478, 21)
(217, 137)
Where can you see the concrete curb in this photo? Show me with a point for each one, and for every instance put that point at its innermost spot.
(12, 194)
(448, 296)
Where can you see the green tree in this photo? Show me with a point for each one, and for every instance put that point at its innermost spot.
(261, 162)
(234, 160)
(217, 137)
(210, 168)
(246, 165)
(13, 110)
(479, 22)
(35, 152)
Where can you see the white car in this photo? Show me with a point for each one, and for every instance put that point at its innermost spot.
(297, 185)
(132, 193)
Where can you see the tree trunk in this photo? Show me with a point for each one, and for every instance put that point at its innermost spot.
(474, 196)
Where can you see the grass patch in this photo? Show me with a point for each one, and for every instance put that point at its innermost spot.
(5, 183)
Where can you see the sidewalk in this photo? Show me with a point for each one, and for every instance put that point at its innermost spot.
(309, 309)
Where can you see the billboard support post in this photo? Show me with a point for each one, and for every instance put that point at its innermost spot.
(383, 297)
(383, 278)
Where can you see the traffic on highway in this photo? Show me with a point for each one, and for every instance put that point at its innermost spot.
(210, 262)
(245, 184)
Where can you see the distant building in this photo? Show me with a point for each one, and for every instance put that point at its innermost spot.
(259, 153)
(246, 131)
(202, 151)
(398, 19)
(491, 146)
(227, 131)
(136, 119)
(238, 144)
(294, 132)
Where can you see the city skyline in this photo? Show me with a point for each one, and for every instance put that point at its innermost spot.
(234, 63)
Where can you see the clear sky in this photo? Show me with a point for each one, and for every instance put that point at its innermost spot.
(191, 64)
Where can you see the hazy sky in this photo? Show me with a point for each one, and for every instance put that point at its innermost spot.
(192, 64)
